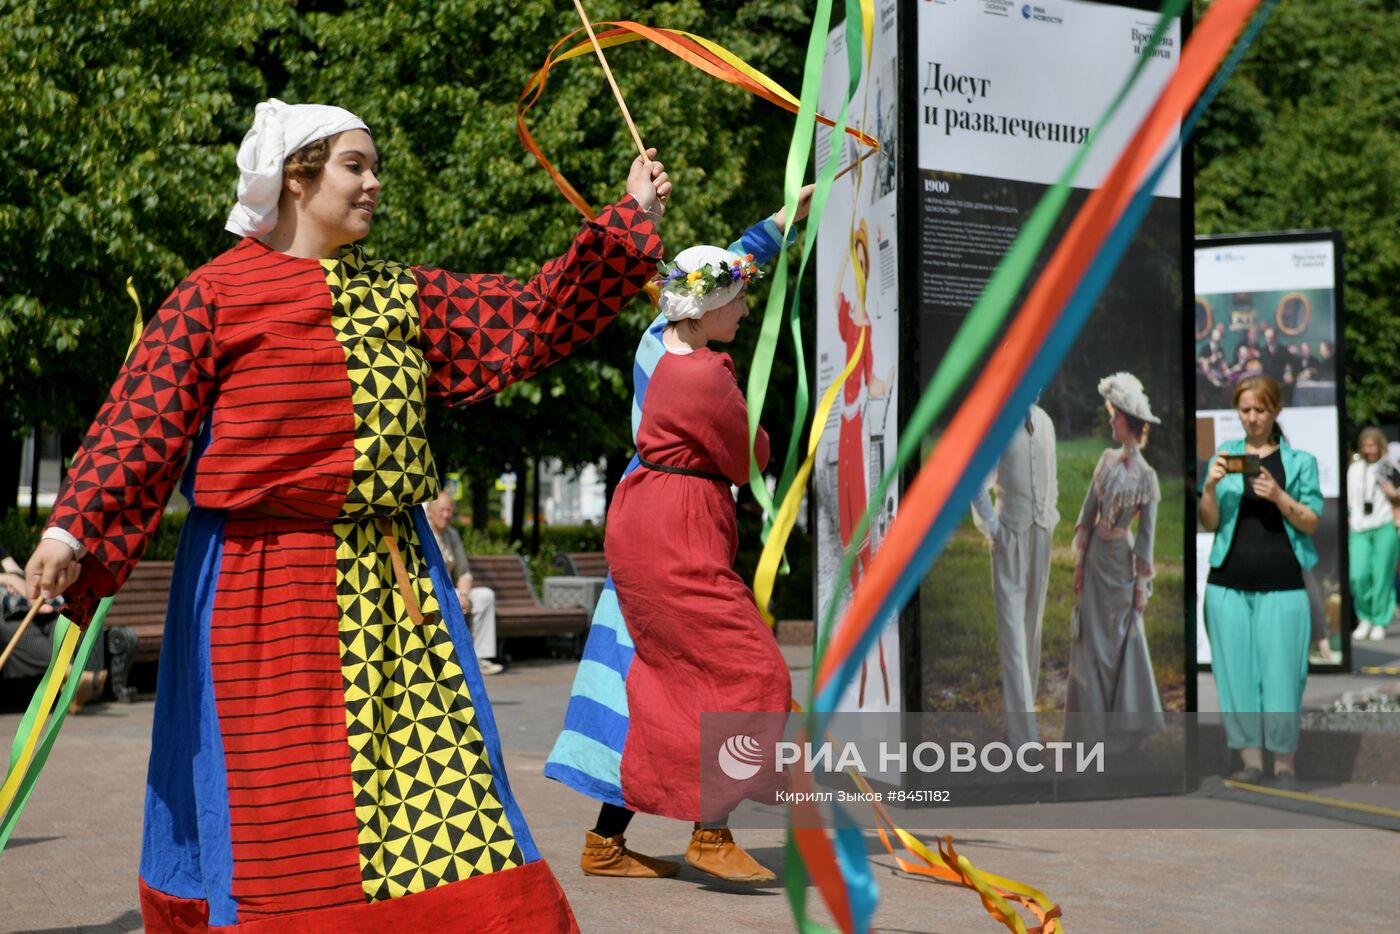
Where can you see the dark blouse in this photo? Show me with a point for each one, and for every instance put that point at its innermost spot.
(1260, 557)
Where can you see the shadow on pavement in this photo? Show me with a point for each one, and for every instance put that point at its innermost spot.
(127, 921)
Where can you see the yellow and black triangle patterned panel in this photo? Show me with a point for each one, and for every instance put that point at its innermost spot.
(425, 795)
(375, 316)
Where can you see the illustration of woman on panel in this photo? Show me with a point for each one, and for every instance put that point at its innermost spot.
(1110, 670)
(853, 489)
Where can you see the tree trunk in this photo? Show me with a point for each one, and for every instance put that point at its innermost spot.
(517, 503)
(34, 474)
(481, 502)
(536, 514)
(68, 443)
(613, 467)
(10, 467)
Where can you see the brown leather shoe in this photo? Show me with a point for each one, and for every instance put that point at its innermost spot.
(609, 856)
(714, 851)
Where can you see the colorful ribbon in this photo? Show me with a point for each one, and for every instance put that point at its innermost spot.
(858, 14)
(986, 318)
(778, 523)
(1031, 352)
(38, 728)
(709, 57)
(766, 574)
(136, 325)
(946, 865)
(890, 584)
(719, 62)
(1011, 275)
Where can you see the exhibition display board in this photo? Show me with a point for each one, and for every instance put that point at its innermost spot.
(1271, 303)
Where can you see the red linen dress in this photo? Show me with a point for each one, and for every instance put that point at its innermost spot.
(701, 645)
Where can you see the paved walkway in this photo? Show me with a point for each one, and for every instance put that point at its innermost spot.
(72, 863)
(1322, 690)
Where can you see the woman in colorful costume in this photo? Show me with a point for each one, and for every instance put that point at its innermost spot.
(676, 632)
(1110, 669)
(324, 756)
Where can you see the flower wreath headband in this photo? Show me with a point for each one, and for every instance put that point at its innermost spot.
(706, 279)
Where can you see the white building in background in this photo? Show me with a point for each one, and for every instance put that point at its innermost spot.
(50, 470)
(572, 497)
(569, 497)
(51, 474)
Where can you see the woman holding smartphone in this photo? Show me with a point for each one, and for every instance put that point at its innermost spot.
(1262, 500)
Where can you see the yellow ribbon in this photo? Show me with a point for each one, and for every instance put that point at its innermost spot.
(136, 326)
(63, 659)
(767, 572)
(67, 647)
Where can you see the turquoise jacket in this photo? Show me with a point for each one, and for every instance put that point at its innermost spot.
(1300, 482)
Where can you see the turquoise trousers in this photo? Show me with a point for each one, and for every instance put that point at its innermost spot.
(1371, 557)
(1259, 655)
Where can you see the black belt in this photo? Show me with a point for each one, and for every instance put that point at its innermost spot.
(684, 471)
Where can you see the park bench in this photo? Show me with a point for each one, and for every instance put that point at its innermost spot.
(519, 611)
(140, 605)
(582, 563)
(139, 608)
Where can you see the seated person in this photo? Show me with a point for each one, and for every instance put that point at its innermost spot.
(34, 651)
(478, 603)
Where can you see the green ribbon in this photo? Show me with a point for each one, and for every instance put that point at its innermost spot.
(800, 150)
(31, 715)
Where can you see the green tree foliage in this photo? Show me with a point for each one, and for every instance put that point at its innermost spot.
(129, 115)
(121, 125)
(1307, 135)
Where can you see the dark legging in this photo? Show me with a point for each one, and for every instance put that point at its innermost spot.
(612, 820)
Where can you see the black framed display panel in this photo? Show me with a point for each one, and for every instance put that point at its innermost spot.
(1331, 577)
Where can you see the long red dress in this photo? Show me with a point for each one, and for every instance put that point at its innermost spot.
(701, 645)
(851, 498)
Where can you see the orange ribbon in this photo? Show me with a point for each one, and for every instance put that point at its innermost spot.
(701, 53)
(995, 891)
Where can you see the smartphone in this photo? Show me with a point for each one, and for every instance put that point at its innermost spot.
(1247, 464)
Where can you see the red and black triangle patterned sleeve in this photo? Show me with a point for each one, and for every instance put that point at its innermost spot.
(482, 332)
(124, 472)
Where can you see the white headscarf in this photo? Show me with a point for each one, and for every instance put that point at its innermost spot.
(676, 305)
(278, 131)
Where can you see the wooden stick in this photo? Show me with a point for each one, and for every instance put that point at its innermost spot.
(617, 93)
(19, 633)
(868, 154)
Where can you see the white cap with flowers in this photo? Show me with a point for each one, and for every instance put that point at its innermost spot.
(701, 279)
